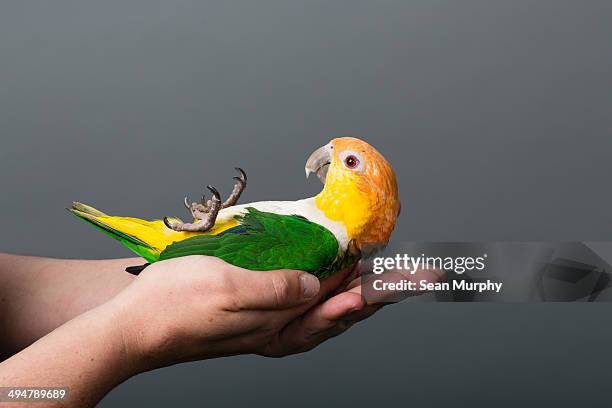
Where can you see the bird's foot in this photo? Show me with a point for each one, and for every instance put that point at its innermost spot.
(239, 186)
(205, 212)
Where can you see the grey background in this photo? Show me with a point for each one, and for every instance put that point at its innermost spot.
(495, 114)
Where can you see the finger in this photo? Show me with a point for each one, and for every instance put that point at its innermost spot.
(273, 290)
(304, 331)
(362, 314)
(328, 287)
(331, 285)
(352, 275)
(364, 284)
(332, 310)
(339, 326)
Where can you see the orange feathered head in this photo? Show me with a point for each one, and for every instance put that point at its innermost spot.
(360, 190)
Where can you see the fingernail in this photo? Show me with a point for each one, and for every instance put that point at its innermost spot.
(355, 309)
(310, 285)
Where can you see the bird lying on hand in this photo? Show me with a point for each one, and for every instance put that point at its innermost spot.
(352, 217)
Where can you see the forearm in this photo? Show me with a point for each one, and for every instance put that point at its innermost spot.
(39, 294)
(87, 355)
(208, 308)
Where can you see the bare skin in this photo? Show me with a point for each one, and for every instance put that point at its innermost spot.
(88, 326)
(39, 294)
(93, 326)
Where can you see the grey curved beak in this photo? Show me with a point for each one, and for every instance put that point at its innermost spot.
(319, 162)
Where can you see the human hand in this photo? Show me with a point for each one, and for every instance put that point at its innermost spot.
(179, 310)
(200, 307)
(331, 318)
(185, 309)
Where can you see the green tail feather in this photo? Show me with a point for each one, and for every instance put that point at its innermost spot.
(90, 215)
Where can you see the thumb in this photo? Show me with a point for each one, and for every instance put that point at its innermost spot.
(278, 289)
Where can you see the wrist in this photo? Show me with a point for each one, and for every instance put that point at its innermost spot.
(147, 341)
(106, 325)
(87, 355)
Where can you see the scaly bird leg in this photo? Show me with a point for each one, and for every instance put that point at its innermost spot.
(204, 215)
(198, 210)
(239, 187)
(205, 212)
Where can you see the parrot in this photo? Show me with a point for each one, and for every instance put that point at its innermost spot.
(351, 218)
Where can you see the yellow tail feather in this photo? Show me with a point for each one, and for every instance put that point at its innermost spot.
(146, 238)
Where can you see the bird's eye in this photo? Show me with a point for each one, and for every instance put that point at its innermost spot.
(351, 161)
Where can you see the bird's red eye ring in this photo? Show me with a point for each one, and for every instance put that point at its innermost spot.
(351, 161)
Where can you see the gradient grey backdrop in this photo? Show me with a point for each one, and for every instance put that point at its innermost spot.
(497, 116)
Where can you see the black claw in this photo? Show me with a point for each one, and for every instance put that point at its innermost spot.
(214, 192)
(167, 223)
(238, 179)
(186, 202)
(203, 199)
(242, 173)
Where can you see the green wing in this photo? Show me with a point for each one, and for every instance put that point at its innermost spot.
(265, 241)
